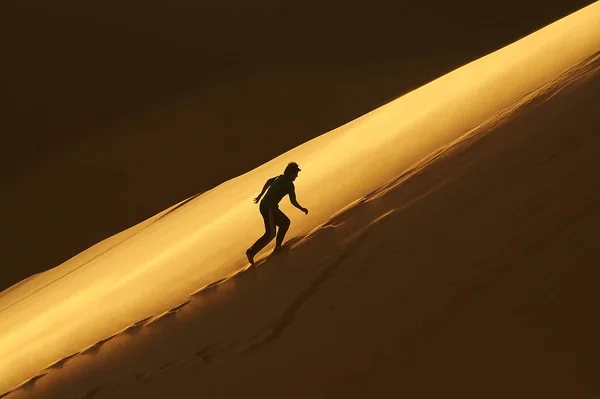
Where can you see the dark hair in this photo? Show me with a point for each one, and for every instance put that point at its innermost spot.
(291, 168)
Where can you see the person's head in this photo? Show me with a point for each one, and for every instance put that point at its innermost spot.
(291, 171)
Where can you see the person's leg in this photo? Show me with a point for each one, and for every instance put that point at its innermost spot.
(283, 222)
(268, 215)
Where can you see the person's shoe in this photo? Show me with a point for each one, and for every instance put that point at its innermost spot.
(279, 248)
(250, 257)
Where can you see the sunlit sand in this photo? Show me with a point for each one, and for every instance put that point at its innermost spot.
(153, 268)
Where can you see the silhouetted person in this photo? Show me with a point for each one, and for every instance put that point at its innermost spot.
(279, 187)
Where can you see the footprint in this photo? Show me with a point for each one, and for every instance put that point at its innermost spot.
(92, 349)
(205, 354)
(5, 394)
(135, 326)
(179, 307)
(141, 375)
(90, 394)
(209, 286)
(166, 366)
(160, 317)
(30, 383)
(60, 363)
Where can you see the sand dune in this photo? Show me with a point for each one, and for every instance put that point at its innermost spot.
(406, 285)
(116, 110)
(449, 284)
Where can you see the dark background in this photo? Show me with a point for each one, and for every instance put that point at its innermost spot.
(243, 81)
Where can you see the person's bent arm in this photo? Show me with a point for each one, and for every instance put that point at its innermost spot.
(296, 204)
(265, 187)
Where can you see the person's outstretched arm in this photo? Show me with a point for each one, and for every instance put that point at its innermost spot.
(296, 204)
(267, 185)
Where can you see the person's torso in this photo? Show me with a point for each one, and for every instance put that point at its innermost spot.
(280, 187)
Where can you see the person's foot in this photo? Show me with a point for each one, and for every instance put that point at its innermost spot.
(279, 248)
(250, 257)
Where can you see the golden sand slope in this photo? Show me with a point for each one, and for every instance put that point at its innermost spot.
(157, 268)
